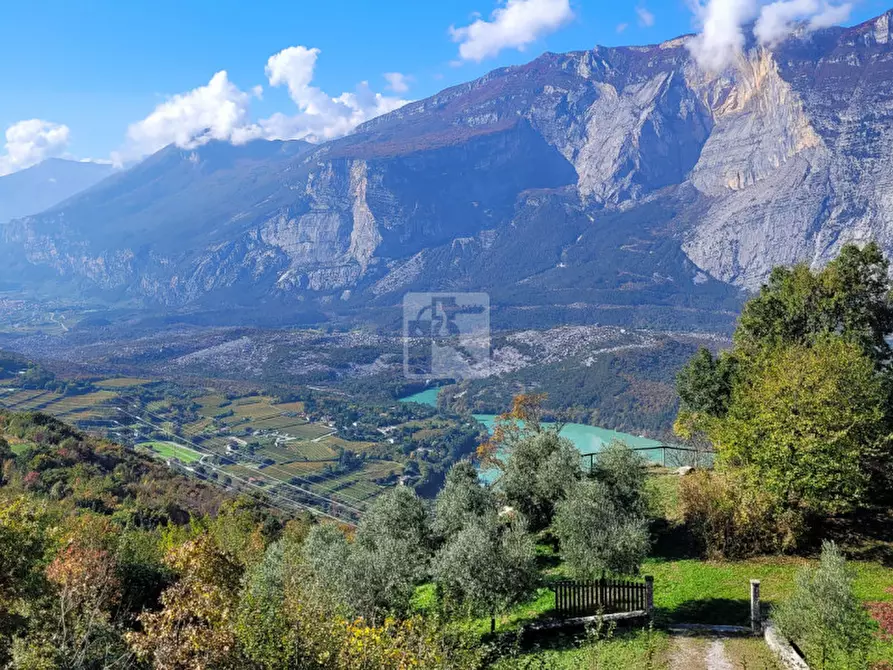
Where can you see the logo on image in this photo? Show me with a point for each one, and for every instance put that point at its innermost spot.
(446, 335)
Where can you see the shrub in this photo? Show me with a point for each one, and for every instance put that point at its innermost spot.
(732, 518)
(824, 616)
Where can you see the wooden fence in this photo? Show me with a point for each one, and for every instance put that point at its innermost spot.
(603, 596)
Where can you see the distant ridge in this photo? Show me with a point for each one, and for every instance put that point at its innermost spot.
(45, 185)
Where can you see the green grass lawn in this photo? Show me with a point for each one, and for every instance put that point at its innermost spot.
(696, 591)
(172, 450)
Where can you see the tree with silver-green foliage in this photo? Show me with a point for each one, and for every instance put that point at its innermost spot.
(329, 555)
(262, 625)
(539, 471)
(596, 536)
(623, 472)
(377, 573)
(487, 567)
(824, 616)
(462, 499)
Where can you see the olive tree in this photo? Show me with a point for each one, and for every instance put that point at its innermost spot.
(377, 573)
(623, 473)
(462, 499)
(487, 567)
(825, 617)
(539, 471)
(596, 535)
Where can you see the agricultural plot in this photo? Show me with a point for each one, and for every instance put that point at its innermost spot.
(16, 399)
(289, 407)
(279, 454)
(78, 403)
(121, 383)
(359, 483)
(335, 442)
(171, 450)
(38, 402)
(298, 468)
(314, 451)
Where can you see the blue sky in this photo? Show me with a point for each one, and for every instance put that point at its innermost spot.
(91, 69)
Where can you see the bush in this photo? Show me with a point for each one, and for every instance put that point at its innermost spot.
(732, 518)
(824, 616)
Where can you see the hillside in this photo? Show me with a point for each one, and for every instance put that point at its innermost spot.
(45, 185)
(623, 182)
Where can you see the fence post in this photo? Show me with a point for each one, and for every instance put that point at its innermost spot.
(756, 618)
(649, 595)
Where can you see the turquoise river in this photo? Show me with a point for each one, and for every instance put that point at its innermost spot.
(587, 439)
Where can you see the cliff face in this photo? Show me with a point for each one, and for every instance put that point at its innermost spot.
(623, 176)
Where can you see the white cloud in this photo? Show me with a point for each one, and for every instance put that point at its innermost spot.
(220, 110)
(646, 18)
(779, 19)
(320, 117)
(29, 142)
(397, 81)
(723, 24)
(722, 31)
(514, 26)
(621, 27)
(216, 111)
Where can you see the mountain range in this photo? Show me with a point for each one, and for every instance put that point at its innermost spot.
(45, 185)
(619, 185)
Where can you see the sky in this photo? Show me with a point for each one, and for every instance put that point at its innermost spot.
(115, 81)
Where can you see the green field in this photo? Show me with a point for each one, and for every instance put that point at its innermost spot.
(172, 450)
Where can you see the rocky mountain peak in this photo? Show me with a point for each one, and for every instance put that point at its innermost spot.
(622, 174)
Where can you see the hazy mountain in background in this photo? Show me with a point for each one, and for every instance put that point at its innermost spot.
(619, 185)
(46, 184)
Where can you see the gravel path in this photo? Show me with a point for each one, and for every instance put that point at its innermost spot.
(697, 653)
(717, 659)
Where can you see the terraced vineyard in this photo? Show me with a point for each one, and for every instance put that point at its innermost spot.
(251, 439)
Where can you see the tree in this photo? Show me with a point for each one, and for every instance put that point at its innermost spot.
(811, 424)
(623, 473)
(487, 567)
(328, 554)
(377, 573)
(538, 473)
(825, 617)
(462, 499)
(597, 536)
(802, 402)
(194, 627)
(262, 625)
(850, 296)
(390, 553)
(705, 383)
